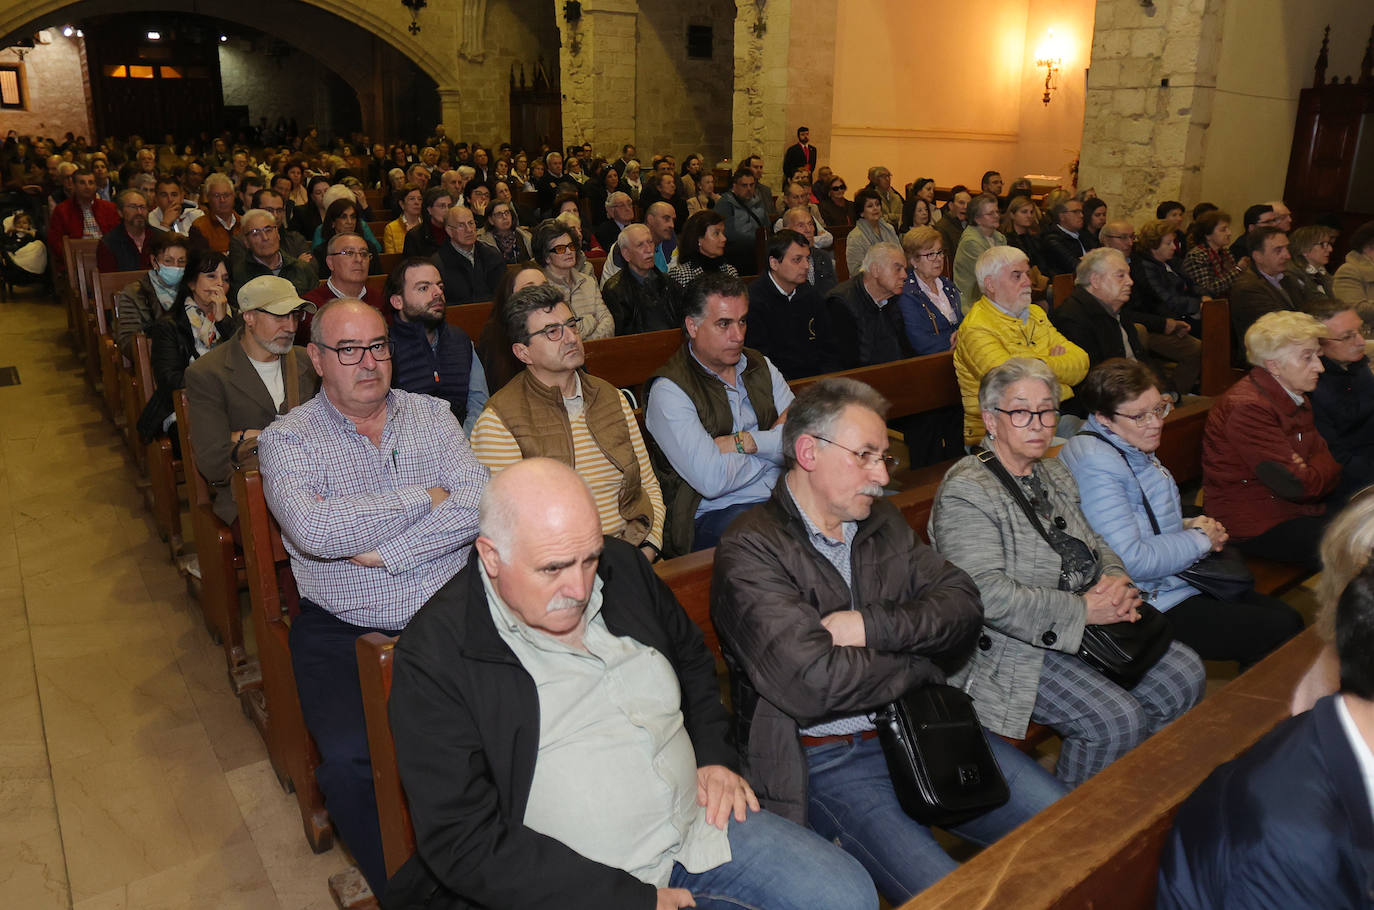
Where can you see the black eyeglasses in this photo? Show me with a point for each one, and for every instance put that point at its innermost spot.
(866, 459)
(1021, 418)
(555, 332)
(351, 354)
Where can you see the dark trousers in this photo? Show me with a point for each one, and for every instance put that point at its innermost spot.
(326, 669)
(932, 436)
(1243, 630)
(1297, 540)
(709, 526)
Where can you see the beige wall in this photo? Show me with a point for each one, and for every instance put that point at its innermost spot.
(1269, 48)
(53, 82)
(940, 123)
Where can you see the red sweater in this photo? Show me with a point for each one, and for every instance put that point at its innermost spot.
(1253, 423)
(66, 222)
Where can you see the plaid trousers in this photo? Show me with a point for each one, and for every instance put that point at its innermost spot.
(1099, 720)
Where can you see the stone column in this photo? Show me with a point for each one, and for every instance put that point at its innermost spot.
(450, 109)
(597, 63)
(1151, 86)
(784, 78)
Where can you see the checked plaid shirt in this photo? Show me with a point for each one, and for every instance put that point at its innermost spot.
(336, 495)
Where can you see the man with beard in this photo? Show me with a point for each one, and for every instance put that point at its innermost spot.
(237, 389)
(430, 356)
(126, 248)
(552, 408)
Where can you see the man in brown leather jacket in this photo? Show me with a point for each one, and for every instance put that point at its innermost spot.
(828, 607)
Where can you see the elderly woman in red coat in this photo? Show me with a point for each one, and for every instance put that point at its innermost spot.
(1266, 471)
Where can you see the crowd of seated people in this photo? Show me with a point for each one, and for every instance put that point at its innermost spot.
(393, 522)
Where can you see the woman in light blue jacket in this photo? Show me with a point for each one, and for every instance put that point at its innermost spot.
(1114, 470)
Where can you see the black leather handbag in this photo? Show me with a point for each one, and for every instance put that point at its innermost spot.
(1121, 651)
(942, 768)
(1125, 651)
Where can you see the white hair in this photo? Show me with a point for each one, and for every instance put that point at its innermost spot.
(993, 260)
(879, 251)
(626, 238)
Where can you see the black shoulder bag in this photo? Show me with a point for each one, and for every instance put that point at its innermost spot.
(1220, 575)
(1121, 651)
(942, 769)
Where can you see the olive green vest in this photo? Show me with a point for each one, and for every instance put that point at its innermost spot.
(535, 416)
(707, 393)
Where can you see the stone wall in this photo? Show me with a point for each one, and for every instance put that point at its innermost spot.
(253, 78)
(517, 33)
(683, 105)
(54, 86)
(1143, 141)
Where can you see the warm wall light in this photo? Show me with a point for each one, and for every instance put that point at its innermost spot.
(1050, 55)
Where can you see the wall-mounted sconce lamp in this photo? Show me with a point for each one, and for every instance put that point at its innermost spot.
(1050, 55)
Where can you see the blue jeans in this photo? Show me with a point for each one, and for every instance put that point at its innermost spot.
(782, 866)
(851, 802)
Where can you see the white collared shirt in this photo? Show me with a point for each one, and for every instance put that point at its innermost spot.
(1364, 757)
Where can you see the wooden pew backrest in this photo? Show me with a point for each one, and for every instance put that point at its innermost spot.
(470, 317)
(375, 653)
(627, 361)
(1217, 374)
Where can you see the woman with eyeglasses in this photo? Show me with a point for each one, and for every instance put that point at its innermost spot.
(835, 208)
(930, 303)
(341, 218)
(555, 250)
(1159, 285)
(1310, 247)
(1267, 474)
(1131, 499)
(1042, 583)
(504, 232)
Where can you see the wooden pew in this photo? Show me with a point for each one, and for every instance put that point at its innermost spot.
(378, 228)
(1217, 373)
(840, 251)
(221, 562)
(627, 361)
(164, 471)
(375, 652)
(470, 317)
(387, 261)
(115, 370)
(1100, 845)
(374, 199)
(84, 255)
(1062, 286)
(275, 707)
(69, 285)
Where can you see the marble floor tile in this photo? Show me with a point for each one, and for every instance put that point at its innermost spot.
(106, 684)
(299, 876)
(33, 873)
(142, 808)
(229, 878)
(55, 598)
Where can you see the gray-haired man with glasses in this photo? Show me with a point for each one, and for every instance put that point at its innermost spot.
(262, 237)
(376, 493)
(828, 607)
(554, 409)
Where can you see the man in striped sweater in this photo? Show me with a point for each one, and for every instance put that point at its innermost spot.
(556, 410)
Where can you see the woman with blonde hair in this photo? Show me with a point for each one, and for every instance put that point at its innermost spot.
(1266, 471)
(1346, 548)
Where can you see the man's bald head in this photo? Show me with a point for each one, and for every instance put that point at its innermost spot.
(540, 544)
(534, 494)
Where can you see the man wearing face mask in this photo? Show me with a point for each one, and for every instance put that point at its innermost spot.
(140, 303)
(240, 386)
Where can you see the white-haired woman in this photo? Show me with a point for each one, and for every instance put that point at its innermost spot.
(1042, 582)
(980, 235)
(1266, 471)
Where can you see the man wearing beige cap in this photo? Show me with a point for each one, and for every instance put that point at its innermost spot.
(239, 387)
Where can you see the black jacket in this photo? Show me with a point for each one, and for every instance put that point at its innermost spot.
(1029, 243)
(1085, 321)
(465, 716)
(421, 241)
(1161, 290)
(1343, 408)
(865, 334)
(171, 349)
(1062, 252)
(769, 592)
(1285, 825)
(639, 306)
(469, 282)
(606, 234)
(795, 334)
